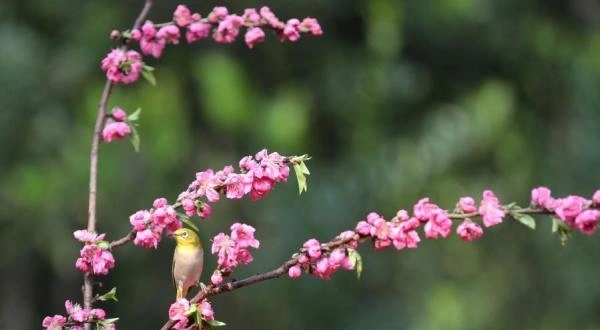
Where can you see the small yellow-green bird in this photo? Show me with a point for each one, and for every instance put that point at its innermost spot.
(188, 260)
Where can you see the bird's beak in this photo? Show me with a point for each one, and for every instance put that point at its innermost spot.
(172, 235)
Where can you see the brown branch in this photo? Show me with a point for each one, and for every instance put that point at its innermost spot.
(213, 290)
(93, 185)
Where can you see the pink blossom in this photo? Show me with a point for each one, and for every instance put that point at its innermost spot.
(216, 278)
(218, 14)
(569, 208)
(587, 221)
(541, 196)
(251, 17)
(403, 234)
(115, 35)
(122, 66)
(206, 310)
(243, 235)
(349, 234)
(189, 206)
(95, 260)
(248, 164)
(336, 257)
(182, 16)
(165, 216)
(76, 312)
(197, 31)
(204, 211)
(254, 36)
(295, 271)
(115, 131)
(237, 185)
(97, 314)
(243, 256)
(291, 31)
(118, 114)
(322, 269)
(469, 231)
(313, 248)
(170, 34)
(86, 236)
(228, 29)
(424, 209)
(312, 26)
(205, 183)
(438, 225)
(147, 238)
(225, 249)
(178, 309)
(151, 43)
(55, 322)
(272, 166)
(270, 18)
(261, 187)
(596, 197)
(140, 219)
(467, 204)
(136, 34)
(401, 215)
(490, 209)
(363, 228)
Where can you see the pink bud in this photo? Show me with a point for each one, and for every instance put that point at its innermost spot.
(119, 114)
(136, 34)
(295, 271)
(216, 278)
(596, 197)
(115, 35)
(467, 204)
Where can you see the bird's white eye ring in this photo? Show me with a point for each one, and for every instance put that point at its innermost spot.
(184, 234)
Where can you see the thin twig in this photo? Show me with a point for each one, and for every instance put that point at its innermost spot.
(100, 121)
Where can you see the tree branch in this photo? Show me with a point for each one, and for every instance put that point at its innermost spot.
(93, 184)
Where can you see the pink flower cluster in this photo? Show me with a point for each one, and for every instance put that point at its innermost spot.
(122, 66)
(232, 250)
(257, 178)
(181, 309)
(93, 258)
(117, 128)
(322, 262)
(573, 210)
(150, 224)
(400, 231)
(223, 26)
(77, 316)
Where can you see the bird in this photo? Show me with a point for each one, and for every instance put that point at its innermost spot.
(188, 260)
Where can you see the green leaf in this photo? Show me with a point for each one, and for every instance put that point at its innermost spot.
(135, 138)
(135, 115)
(188, 221)
(215, 323)
(103, 245)
(512, 206)
(109, 321)
(563, 230)
(301, 173)
(356, 261)
(110, 295)
(192, 310)
(525, 219)
(148, 74)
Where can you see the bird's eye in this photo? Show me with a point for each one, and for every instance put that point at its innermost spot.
(184, 234)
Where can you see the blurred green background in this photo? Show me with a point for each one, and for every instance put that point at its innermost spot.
(398, 100)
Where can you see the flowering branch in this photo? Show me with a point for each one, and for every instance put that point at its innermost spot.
(93, 184)
(322, 260)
